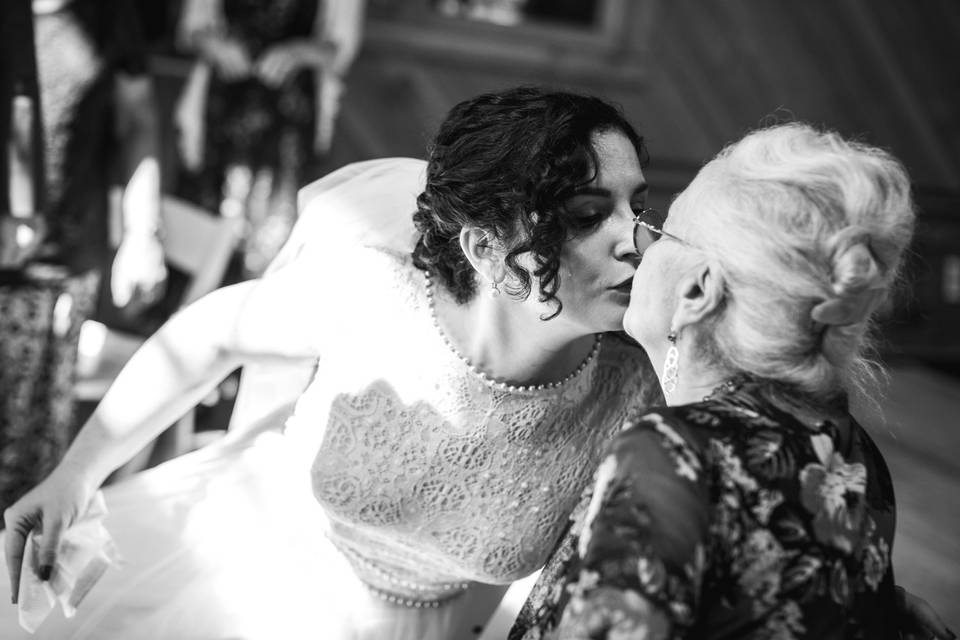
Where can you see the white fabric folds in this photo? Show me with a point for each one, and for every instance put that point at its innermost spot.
(86, 552)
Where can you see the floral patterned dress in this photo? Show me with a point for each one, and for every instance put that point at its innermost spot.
(742, 516)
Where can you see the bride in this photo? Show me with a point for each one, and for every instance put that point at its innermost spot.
(467, 374)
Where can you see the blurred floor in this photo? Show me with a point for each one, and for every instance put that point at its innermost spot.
(919, 435)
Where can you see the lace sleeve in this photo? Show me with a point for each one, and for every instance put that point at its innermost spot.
(636, 569)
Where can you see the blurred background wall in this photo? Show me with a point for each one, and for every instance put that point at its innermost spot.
(694, 75)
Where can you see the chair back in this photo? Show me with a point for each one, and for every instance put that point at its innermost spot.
(198, 243)
(195, 242)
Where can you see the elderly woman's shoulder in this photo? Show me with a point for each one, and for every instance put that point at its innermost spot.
(693, 428)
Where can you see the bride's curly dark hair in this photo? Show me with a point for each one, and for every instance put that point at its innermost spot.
(507, 162)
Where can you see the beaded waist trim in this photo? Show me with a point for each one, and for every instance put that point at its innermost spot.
(412, 602)
(396, 590)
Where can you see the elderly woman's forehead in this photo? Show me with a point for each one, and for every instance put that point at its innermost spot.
(679, 203)
(701, 189)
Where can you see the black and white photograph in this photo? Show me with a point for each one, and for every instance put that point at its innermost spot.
(479, 320)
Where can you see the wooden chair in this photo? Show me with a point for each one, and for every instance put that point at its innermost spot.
(200, 245)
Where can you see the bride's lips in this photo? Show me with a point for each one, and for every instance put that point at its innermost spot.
(624, 287)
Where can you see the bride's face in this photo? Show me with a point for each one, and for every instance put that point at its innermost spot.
(596, 267)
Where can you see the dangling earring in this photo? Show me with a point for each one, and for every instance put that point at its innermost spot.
(494, 289)
(670, 366)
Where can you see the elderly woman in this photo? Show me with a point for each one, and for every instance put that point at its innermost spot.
(465, 385)
(752, 505)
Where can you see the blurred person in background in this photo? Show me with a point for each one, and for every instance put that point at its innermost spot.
(259, 108)
(75, 86)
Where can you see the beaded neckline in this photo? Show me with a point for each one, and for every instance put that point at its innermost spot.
(491, 381)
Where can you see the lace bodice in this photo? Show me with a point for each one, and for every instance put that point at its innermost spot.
(428, 474)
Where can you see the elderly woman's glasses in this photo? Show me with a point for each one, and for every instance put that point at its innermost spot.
(648, 228)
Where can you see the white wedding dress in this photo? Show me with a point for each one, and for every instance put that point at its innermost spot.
(402, 476)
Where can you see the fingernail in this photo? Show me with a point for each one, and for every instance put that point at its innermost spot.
(45, 572)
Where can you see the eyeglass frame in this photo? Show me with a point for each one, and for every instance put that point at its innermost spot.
(643, 224)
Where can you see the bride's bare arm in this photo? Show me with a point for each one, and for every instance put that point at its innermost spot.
(176, 367)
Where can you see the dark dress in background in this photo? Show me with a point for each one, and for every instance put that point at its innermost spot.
(79, 50)
(736, 517)
(259, 139)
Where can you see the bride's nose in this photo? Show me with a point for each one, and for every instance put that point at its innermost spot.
(624, 230)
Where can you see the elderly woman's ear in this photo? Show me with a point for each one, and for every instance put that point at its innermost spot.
(700, 294)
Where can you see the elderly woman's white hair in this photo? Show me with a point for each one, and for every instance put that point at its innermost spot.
(809, 231)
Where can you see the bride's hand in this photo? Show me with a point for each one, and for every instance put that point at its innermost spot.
(49, 508)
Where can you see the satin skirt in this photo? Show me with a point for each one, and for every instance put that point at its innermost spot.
(227, 543)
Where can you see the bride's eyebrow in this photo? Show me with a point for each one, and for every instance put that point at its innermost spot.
(592, 191)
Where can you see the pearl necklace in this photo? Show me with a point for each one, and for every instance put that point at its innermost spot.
(491, 381)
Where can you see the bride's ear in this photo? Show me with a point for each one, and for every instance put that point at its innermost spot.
(484, 252)
(700, 294)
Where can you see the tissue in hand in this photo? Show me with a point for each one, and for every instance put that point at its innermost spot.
(86, 550)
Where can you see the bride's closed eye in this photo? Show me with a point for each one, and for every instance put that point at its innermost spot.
(589, 215)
